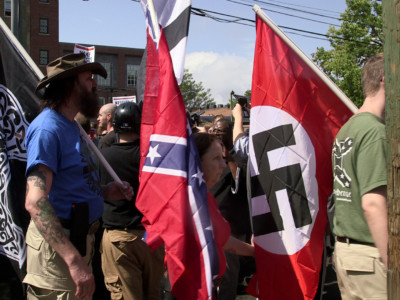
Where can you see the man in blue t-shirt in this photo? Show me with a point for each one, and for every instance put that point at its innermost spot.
(63, 194)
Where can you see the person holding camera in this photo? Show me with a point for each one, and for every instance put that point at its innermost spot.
(239, 136)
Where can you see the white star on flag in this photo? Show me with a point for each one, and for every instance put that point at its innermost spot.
(153, 153)
(199, 176)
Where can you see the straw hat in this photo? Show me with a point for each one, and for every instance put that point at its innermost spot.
(67, 66)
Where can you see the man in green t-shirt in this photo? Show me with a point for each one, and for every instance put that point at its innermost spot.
(360, 179)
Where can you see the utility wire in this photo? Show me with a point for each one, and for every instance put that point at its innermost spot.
(295, 9)
(286, 14)
(208, 14)
(204, 13)
(308, 36)
(313, 8)
(248, 22)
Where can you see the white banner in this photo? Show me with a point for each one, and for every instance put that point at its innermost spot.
(88, 51)
(119, 100)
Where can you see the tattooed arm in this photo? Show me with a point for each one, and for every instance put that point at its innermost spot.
(37, 203)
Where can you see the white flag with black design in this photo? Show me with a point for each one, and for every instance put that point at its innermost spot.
(19, 105)
(173, 16)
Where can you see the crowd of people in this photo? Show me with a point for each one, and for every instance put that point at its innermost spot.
(72, 198)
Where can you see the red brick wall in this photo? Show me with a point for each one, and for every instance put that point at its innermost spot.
(44, 41)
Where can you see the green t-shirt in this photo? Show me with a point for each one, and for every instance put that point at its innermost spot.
(359, 165)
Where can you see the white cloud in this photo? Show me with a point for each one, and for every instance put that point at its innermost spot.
(221, 73)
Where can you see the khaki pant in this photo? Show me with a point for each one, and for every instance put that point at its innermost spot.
(360, 272)
(48, 276)
(131, 270)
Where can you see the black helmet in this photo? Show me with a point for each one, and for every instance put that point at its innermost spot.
(127, 118)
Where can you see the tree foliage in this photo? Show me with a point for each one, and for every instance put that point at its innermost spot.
(194, 94)
(359, 37)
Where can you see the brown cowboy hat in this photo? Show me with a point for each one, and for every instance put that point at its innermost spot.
(67, 66)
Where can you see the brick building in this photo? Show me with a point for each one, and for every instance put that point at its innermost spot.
(38, 31)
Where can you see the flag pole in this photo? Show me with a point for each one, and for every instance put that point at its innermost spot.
(342, 96)
(20, 49)
(98, 154)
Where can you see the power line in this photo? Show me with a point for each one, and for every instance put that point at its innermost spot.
(206, 13)
(313, 8)
(247, 22)
(286, 14)
(308, 36)
(222, 18)
(295, 9)
(234, 19)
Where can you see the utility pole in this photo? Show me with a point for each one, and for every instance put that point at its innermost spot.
(391, 27)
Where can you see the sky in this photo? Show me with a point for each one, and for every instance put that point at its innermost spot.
(219, 54)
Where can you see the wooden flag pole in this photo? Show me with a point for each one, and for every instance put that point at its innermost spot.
(98, 154)
(391, 29)
(306, 59)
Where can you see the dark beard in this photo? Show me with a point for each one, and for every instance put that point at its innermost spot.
(89, 102)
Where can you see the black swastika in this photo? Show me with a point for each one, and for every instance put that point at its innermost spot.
(268, 182)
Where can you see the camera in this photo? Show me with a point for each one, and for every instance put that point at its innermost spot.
(243, 102)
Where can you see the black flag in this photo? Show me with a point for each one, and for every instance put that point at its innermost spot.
(19, 105)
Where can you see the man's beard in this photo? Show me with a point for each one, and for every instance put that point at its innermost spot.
(100, 129)
(89, 102)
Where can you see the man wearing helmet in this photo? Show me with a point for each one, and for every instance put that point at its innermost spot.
(131, 270)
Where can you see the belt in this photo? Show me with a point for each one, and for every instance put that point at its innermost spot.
(65, 223)
(347, 240)
(123, 228)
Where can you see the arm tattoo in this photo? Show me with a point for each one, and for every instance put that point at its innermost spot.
(48, 223)
(38, 179)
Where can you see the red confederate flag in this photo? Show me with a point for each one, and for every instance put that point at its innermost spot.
(295, 115)
(172, 194)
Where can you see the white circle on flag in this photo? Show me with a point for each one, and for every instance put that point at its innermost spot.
(291, 239)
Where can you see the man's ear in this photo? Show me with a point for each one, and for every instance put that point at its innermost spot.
(108, 116)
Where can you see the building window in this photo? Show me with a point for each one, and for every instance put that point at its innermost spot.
(7, 8)
(132, 75)
(44, 25)
(105, 82)
(44, 57)
(44, 1)
(102, 101)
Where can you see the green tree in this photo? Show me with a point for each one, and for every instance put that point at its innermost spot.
(194, 94)
(359, 37)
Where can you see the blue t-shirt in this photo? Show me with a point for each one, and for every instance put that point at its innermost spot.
(55, 141)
